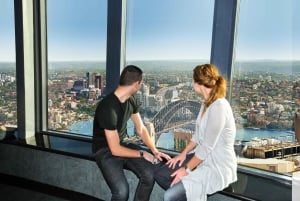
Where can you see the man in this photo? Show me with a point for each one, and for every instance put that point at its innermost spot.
(109, 131)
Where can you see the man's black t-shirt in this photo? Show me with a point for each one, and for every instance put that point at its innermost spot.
(111, 114)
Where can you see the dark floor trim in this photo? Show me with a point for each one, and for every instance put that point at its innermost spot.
(45, 188)
(237, 196)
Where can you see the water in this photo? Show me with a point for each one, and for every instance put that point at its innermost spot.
(166, 139)
(82, 127)
(248, 134)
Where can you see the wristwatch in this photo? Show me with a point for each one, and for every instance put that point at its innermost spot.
(187, 169)
(141, 153)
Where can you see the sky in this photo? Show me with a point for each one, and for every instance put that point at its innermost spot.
(156, 29)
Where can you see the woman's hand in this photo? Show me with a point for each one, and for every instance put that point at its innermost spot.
(178, 159)
(178, 174)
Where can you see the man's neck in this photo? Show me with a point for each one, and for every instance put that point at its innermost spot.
(123, 93)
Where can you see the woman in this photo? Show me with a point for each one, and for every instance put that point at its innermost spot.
(208, 163)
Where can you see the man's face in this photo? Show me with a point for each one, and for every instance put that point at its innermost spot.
(138, 85)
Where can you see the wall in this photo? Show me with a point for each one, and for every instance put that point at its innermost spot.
(82, 175)
(63, 171)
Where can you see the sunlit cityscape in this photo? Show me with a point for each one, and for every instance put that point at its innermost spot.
(260, 100)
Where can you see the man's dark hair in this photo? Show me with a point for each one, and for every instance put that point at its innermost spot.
(130, 74)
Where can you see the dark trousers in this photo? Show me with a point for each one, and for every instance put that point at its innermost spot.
(162, 175)
(112, 169)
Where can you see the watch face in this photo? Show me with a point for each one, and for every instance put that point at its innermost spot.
(187, 169)
(141, 153)
(155, 161)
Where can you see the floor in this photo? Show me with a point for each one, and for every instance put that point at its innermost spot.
(13, 193)
(19, 189)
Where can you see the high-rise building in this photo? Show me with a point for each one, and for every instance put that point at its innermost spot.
(297, 126)
(70, 83)
(78, 85)
(98, 79)
(181, 138)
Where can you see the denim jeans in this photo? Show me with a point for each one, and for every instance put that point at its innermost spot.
(175, 193)
(112, 169)
(162, 175)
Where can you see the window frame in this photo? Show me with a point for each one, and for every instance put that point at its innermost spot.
(31, 60)
(35, 48)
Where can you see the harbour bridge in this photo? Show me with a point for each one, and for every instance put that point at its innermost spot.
(174, 115)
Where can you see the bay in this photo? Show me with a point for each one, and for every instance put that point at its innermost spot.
(166, 140)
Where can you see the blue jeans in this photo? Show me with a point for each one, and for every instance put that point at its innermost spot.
(162, 175)
(175, 193)
(112, 169)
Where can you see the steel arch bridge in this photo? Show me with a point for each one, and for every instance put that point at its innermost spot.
(167, 117)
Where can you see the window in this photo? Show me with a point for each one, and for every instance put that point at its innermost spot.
(76, 62)
(167, 44)
(8, 105)
(266, 82)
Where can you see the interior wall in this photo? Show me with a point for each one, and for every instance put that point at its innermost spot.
(82, 175)
(71, 173)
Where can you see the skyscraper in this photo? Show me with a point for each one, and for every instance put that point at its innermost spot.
(98, 81)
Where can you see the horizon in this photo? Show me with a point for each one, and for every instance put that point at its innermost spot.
(186, 60)
(284, 67)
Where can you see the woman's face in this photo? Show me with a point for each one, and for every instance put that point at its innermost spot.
(197, 87)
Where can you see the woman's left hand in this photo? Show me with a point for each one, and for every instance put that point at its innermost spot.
(179, 159)
(178, 174)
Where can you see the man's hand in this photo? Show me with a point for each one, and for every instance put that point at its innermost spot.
(155, 158)
(148, 156)
(160, 156)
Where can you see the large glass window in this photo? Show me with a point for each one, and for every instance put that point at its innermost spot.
(167, 39)
(266, 84)
(76, 31)
(8, 105)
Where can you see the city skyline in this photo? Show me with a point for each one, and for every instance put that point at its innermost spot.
(77, 31)
(266, 66)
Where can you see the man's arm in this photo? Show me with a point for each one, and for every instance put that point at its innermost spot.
(143, 132)
(116, 149)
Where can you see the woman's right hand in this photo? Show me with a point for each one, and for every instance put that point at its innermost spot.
(177, 159)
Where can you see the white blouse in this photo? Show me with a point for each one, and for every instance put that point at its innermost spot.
(214, 135)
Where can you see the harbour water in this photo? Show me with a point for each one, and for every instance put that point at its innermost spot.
(166, 139)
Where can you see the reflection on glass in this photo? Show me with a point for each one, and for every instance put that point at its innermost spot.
(76, 62)
(167, 44)
(266, 83)
(8, 98)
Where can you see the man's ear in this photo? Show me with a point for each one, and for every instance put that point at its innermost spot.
(137, 83)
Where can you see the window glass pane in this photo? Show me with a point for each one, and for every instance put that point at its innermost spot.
(8, 104)
(167, 39)
(76, 62)
(266, 82)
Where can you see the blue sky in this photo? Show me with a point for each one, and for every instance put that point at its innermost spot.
(156, 29)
